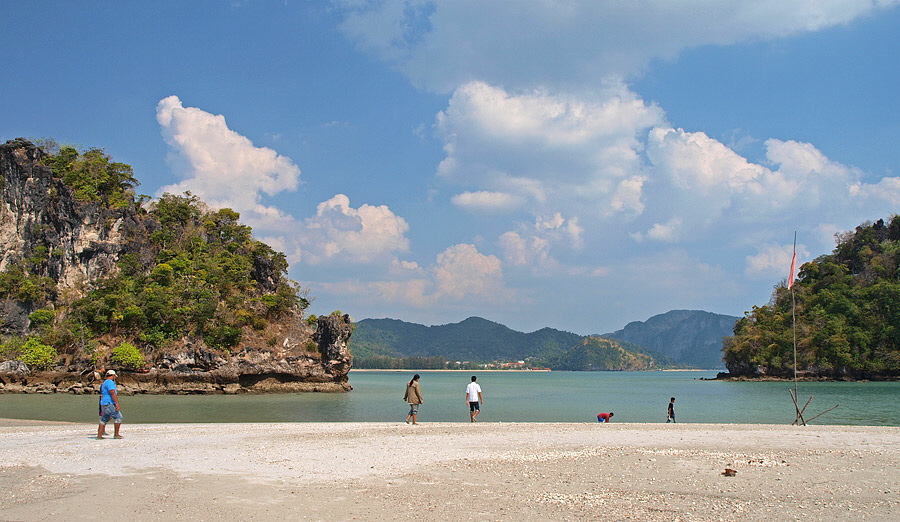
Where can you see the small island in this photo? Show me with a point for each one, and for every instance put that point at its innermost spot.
(177, 297)
(847, 309)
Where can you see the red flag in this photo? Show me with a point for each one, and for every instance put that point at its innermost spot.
(793, 267)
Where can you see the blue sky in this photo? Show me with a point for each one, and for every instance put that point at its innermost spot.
(577, 165)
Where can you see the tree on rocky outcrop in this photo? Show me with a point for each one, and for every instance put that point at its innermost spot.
(92, 176)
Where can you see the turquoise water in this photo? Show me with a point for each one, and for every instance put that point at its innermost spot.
(508, 397)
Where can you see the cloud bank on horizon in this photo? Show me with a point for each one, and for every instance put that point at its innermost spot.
(585, 198)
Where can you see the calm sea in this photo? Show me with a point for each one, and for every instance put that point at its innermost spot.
(508, 397)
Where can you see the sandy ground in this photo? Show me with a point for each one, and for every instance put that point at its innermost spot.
(448, 471)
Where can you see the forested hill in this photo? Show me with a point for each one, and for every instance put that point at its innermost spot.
(691, 338)
(93, 275)
(474, 339)
(847, 314)
(594, 353)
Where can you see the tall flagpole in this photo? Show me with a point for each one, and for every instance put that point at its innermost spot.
(794, 309)
(793, 392)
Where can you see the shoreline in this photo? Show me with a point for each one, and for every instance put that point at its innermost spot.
(799, 379)
(395, 370)
(520, 371)
(503, 471)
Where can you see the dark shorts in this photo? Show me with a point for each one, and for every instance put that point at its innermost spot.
(473, 406)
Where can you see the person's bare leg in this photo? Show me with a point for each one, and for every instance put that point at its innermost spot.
(100, 431)
(116, 435)
(414, 418)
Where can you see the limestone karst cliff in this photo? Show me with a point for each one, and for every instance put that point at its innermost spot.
(87, 267)
(692, 338)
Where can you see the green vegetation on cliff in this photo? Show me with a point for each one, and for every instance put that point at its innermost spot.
(93, 176)
(184, 274)
(847, 309)
(203, 276)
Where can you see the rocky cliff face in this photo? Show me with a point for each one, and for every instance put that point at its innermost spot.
(38, 211)
(193, 369)
(82, 243)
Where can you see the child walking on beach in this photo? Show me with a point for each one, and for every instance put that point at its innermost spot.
(670, 415)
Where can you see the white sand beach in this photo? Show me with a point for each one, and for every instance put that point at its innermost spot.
(448, 471)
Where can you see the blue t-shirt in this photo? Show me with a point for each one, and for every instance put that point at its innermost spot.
(105, 397)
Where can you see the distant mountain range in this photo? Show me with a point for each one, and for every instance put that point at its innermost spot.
(474, 339)
(679, 338)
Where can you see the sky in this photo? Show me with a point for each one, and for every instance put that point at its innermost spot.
(576, 165)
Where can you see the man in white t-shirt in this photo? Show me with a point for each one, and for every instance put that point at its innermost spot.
(474, 399)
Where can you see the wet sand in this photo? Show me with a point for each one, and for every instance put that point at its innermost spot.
(449, 471)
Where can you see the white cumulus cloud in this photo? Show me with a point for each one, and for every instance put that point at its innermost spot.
(530, 245)
(706, 185)
(668, 232)
(223, 167)
(459, 276)
(486, 201)
(441, 45)
(550, 151)
(353, 235)
(463, 271)
(612, 166)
